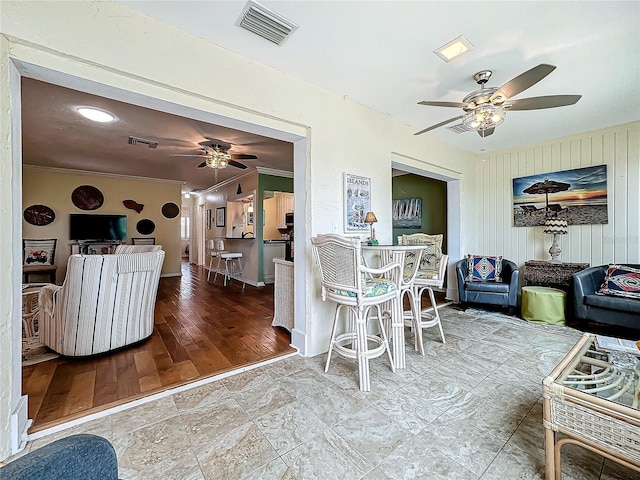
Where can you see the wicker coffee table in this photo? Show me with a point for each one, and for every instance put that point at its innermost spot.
(590, 402)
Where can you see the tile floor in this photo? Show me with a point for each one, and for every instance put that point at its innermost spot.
(470, 409)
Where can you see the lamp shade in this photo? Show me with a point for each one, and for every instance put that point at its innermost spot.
(370, 217)
(553, 226)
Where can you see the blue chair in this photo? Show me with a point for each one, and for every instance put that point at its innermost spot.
(77, 457)
(503, 293)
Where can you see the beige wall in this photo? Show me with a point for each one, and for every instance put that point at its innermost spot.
(53, 188)
(616, 241)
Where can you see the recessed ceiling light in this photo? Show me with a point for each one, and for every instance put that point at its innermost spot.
(454, 48)
(96, 115)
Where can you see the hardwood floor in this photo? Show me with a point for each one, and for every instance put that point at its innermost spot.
(200, 330)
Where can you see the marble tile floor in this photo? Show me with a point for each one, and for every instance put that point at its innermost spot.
(470, 409)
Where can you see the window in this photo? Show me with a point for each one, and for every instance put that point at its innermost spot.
(185, 223)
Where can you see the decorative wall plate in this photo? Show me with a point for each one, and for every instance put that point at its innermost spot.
(170, 210)
(133, 205)
(145, 227)
(39, 215)
(87, 197)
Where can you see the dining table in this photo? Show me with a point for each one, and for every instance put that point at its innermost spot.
(377, 256)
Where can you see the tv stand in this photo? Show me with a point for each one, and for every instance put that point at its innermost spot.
(95, 247)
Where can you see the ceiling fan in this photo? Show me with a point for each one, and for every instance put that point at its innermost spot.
(486, 107)
(216, 155)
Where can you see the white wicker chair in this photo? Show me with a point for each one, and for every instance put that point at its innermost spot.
(105, 302)
(431, 274)
(349, 283)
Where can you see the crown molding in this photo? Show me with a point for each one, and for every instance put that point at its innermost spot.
(71, 171)
(274, 172)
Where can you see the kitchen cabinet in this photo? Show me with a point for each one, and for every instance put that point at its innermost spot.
(284, 204)
(270, 251)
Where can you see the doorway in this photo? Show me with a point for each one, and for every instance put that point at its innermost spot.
(289, 133)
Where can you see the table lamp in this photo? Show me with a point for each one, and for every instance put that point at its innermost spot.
(553, 226)
(370, 218)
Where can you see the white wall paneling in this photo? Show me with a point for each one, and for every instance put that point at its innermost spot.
(618, 241)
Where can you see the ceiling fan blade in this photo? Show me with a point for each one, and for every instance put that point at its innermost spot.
(443, 104)
(233, 163)
(202, 165)
(432, 127)
(486, 132)
(538, 103)
(522, 82)
(184, 155)
(242, 156)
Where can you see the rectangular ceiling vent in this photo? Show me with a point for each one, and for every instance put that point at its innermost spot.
(265, 23)
(460, 128)
(142, 141)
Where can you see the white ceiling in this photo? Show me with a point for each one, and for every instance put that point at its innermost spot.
(376, 53)
(380, 54)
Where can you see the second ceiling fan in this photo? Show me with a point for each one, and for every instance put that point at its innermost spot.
(216, 155)
(485, 108)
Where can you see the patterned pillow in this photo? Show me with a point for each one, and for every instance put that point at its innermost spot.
(621, 281)
(483, 268)
(37, 256)
(431, 255)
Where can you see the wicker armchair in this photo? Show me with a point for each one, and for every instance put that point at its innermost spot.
(349, 283)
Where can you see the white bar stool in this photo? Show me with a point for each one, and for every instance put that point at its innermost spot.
(232, 267)
(214, 250)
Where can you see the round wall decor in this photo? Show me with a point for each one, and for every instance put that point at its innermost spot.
(87, 197)
(39, 215)
(145, 226)
(170, 210)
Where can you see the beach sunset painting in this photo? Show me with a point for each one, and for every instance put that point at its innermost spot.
(578, 196)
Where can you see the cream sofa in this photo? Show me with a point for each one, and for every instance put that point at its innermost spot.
(105, 302)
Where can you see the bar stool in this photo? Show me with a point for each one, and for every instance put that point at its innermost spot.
(232, 267)
(214, 250)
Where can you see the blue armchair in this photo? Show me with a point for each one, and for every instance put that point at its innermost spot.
(77, 457)
(503, 293)
(607, 309)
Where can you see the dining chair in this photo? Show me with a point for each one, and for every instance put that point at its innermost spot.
(431, 275)
(38, 257)
(349, 283)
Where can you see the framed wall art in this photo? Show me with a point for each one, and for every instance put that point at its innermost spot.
(208, 219)
(407, 213)
(220, 216)
(578, 196)
(357, 202)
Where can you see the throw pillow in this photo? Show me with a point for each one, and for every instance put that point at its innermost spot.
(621, 281)
(34, 256)
(431, 255)
(483, 268)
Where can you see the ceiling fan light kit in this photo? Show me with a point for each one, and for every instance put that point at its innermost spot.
(487, 107)
(484, 118)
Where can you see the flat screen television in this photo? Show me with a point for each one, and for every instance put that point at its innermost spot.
(85, 226)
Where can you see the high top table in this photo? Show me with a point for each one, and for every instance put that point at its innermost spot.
(383, 255)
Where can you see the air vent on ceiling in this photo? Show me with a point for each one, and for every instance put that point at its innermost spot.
(460, 128)
(142, 141)
(265, 23)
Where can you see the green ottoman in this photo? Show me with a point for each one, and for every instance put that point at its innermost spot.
(543, 305)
